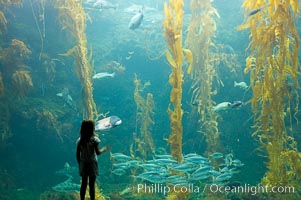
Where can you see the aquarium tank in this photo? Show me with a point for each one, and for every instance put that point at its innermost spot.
(196, 99)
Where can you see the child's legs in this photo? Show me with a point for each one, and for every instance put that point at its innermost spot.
(83, 187)
(92, 180)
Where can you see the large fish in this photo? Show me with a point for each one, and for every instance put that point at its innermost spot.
(107, 123)
(222, 106)
(241, 85)
(102, 4)
(103, 74)
(136, 21)
(67, 98)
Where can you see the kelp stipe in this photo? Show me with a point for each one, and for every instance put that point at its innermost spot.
(173, 33)
(143, 141)
(273, 64)
(73, 18)
(201, 29)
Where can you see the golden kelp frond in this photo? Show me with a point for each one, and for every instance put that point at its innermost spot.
(98, 194)
(223, 58)
(173, 33)
(48, 121)
(273, 64)
(170, 60)
(250, 63)
(72, 16)
(173, 28)
(71, 52)
(143, 141)
(13, 56)
(201, 30)
(22, 82)
(20, 49)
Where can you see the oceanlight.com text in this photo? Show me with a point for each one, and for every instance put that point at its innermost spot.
(246, 188)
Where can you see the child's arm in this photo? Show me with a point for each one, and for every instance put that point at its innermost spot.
(100, 151)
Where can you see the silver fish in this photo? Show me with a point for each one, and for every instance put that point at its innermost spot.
(67, 98)
(200, 176)
(119, 157)
(122, 165)
(197, 159)
(103, 74)
(241, 85)
(216, 155)
(221, 106)
(223, 177)
(118, 172)
(185, 167)
(102, 4)
(136, 21)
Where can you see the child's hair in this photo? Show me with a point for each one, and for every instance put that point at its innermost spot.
(86, 131)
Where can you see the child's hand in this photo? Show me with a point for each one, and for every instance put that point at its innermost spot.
(106, 148)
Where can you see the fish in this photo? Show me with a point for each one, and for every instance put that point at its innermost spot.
(174, 178)
(164, 156)
(221, 106)
(228, 159)
(190, 155)
(103, 74)
(214, 173)
(197, 159)
(102, 4)
(223, 177)
(184, 167)
(182, 183)
(224, 169)
(150, 166)
(118, 172)
(241, 85)
(202, 169)
(163, 172)
(122, 165)
(136, 21)
(134, 163)
(152, 177)
(165, 162)
(119, 157)
(237, 104)
(234, 170)
(255, 11)
(237, 163)
(216, 155)
(200, 176)
(107, 123)
(67, 98)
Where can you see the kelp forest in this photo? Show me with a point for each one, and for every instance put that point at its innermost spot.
(206, 94)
